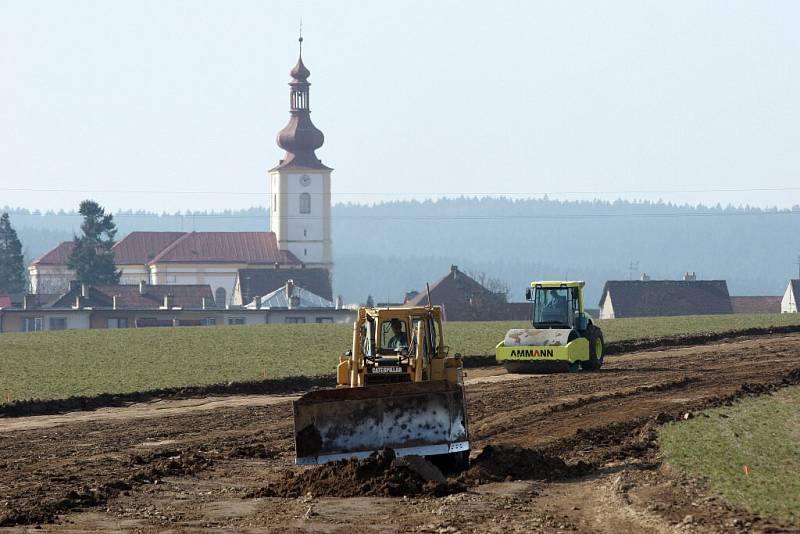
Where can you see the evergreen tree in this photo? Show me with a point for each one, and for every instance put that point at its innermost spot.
(12, 263)
(92, 258)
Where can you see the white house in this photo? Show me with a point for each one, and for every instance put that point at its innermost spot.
(300, 219)
(789, 301)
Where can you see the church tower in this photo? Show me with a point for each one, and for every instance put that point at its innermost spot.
(300, 184)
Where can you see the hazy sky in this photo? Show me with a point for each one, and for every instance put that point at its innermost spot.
(608, 99)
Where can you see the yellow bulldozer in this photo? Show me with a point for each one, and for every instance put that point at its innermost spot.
(397, 387)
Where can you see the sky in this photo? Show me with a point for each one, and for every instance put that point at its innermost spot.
(174, 105)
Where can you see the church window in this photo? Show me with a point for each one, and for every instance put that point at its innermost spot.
(220, 295)
(305, 203)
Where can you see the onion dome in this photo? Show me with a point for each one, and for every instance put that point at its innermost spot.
(300, 138)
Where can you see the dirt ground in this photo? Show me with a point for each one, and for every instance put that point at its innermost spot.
(201, 464)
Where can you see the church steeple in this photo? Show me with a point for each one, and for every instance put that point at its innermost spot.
(300, 186)
(300, 138)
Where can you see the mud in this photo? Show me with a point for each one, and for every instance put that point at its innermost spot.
(379, 475)
(635, 345)
(274, 386)
(504, 462)
(555, 453)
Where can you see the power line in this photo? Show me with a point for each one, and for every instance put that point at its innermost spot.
(393, 194)
(412, 218)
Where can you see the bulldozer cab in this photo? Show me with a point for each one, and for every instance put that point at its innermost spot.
(557, 305)
(394, 345)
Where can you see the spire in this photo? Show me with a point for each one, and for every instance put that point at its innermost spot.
(300, 138)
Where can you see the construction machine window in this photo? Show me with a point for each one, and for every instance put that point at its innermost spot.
(554, 307)
(394, 335)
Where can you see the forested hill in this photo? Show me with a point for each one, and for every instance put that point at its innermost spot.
(389, 248)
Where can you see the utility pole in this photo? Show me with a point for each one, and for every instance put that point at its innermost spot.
(633, 266)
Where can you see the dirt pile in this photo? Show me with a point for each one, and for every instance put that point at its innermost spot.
(508, 462)
(379, 475)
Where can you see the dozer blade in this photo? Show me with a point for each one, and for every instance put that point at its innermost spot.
(423, 418)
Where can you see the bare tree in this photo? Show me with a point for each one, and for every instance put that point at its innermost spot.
(494, 285)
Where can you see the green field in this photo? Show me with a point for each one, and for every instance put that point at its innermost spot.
(88, 362)
(762, 433)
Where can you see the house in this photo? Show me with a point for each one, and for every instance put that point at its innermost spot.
(750, 305)
(160, 258)
(464, 299)
(252, 283)
(789, 300)
(291, 303)
(118, 306)
(657, 298)
(36, 313)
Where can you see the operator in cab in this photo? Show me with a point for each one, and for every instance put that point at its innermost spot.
(399, 340)
(557, 305)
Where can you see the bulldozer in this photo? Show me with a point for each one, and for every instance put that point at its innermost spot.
(397, 388)
(563, 337)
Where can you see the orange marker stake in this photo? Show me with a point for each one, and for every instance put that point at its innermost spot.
(746, 469)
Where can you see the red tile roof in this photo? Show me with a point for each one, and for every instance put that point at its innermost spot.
(226, 247)
(140, 247)
(5, 301)
(57, 256)
(756, 304)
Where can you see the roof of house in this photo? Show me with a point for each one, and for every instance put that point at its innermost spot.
(759, 304)
(280, 299)
(795, 287)
(462, 298)
(148, 297)
(226, 247)
(655, 298)
(141, 247)
(57, 256)
(259, 282)
(5, 301)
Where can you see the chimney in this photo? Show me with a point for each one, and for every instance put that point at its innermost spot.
(454, 270)
(257, 302)
(79, 302)
(84, 290)
(115, 302)
(290, 292)
(28, 301)
(142, 287)
(169, 301)
(689, 276)
(645, 277)
(339, 302)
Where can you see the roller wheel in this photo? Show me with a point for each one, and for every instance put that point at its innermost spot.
(596, 349)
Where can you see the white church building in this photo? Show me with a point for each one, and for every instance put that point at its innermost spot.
(300, 221)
